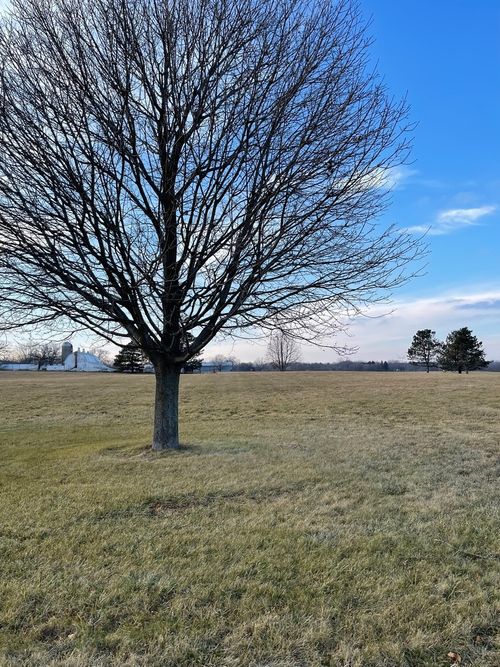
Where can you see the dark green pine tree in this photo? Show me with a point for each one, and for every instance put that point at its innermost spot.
(130, 359)
(462, 352)
(424, 349)
(194, 364)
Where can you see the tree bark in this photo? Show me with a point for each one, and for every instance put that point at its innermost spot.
(166, 419)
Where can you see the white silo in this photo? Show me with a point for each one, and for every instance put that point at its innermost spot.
(66, 350)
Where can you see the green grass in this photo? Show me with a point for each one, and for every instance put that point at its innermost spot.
(348, 520)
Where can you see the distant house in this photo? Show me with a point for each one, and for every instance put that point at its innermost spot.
(208, 367)
(11, 366)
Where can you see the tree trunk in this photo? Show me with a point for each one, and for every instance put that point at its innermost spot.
(166, 419)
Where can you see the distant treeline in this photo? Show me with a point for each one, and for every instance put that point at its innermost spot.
(348, 365)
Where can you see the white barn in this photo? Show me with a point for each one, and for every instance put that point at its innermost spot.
(73, 361)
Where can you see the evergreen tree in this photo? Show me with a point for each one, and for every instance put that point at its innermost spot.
(193, 365)
(130, 359)
(424, 348)
(462, 352)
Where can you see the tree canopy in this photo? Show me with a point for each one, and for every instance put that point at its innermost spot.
(193, 167)
(462, 351)
(130, 359)
(195, 362)
(282, 350)
(424, 348)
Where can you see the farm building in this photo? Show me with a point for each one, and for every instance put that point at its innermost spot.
(79, 361)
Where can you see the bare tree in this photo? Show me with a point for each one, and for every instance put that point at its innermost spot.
(261, 364)
(192, 167)
(102, 354)
(218, 362)
(23, 353)
(4, 348)
(46, 354)
(36, 352)
(282, 350)
(221, 361)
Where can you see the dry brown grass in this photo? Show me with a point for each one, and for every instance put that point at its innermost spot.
(312, 519)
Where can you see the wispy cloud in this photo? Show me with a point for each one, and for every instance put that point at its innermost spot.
(394, 177)
(452, 219)
(398, 176)
(488, 304)
(464, 216)
(384, 178)
(387, 330)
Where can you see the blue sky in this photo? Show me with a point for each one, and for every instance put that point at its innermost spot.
(445, 56)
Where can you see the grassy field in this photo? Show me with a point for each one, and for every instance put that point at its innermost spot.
(344, 520)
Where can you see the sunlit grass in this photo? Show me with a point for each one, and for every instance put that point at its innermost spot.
(311, 519)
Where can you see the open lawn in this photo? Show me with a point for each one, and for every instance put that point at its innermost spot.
(340, 519)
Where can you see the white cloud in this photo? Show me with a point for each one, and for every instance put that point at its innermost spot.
(464, 216)
(386, 330)
(452, 219)
(385, 178)
(396, 176)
